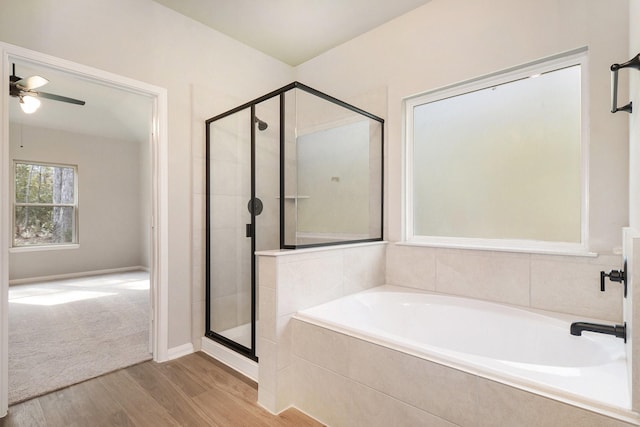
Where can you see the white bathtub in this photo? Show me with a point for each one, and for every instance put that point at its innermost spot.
(526, 349)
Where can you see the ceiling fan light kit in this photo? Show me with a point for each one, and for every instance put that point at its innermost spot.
(29, 104)
(24, 90)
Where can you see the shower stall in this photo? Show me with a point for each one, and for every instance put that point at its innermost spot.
(295, 168)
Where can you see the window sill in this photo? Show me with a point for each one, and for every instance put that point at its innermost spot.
(21, 249)
(543, 248)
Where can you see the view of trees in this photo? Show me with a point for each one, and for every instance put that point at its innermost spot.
(44, 205)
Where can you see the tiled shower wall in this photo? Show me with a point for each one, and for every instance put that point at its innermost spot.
(205, 101)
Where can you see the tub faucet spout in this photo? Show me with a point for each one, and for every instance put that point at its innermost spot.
(620, 331)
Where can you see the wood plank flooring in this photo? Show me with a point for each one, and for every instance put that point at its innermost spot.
(194, 390)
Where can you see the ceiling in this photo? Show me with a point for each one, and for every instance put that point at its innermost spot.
(109, 112)
(293, 31)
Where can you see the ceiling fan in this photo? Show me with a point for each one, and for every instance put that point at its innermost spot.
(24, 89)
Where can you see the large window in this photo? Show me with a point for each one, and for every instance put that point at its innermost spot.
(45, 204)
(500, 162)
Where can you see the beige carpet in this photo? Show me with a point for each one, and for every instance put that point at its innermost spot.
(67, 331)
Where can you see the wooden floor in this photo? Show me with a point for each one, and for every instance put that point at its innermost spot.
(194, 390)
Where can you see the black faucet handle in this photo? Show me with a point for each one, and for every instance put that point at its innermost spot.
(615, 276)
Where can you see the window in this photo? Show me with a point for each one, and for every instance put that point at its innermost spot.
(45, 204)
(499, 162)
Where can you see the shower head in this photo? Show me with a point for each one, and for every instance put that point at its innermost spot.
(261, 125)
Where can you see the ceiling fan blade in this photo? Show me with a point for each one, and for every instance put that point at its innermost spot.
(32, 82)
(59, 98)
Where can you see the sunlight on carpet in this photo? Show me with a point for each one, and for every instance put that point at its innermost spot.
(61, 297)
(67, 331)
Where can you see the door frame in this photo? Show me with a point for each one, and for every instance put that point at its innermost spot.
(159, 268)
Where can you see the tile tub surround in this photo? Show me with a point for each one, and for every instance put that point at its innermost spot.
(563, 284)
(338, 380)
(289, 281)
(632, 311)
(294, 280)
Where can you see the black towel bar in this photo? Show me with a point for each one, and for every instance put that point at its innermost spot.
(632, 63)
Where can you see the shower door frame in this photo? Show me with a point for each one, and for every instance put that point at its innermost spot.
(239, 348)
(209, 333)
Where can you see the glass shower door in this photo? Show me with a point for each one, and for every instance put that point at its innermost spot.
(230, 318)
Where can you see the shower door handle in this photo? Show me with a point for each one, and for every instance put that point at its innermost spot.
(255, 206)
(249, 230)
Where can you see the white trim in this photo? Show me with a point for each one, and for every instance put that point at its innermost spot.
(523, 70)
(5, 228)
(160, 224)
(328, 248)
(181, 350)
(76, 275)
(41, 248)
(503, 246)
(160, 194)
(235, 361)
(574, 57)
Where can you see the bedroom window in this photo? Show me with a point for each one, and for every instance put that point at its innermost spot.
(45, 204)
(500, 162)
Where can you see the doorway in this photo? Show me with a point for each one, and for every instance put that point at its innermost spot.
(157, 222)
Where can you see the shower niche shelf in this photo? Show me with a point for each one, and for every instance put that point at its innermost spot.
(293, 197)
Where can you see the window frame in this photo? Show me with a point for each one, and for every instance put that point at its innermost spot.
(556, 62)
(15, 204)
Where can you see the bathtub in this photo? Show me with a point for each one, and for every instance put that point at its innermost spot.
(531, 350)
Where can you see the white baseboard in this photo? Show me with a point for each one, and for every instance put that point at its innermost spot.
(75, 275)
(235, 361)
(181, 350)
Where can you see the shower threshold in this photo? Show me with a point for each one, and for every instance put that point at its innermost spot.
(240, 334)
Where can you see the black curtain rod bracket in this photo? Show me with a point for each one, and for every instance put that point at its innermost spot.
(632, 63)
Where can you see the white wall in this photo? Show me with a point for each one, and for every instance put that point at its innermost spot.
(110, 226)
(632, 247)
(440, 43)
(445, 42)
(634, 119)
(449, 41)
(202, 70)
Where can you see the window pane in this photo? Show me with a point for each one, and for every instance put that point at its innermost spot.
(502, 162)
(43, 225)
(44, 184)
